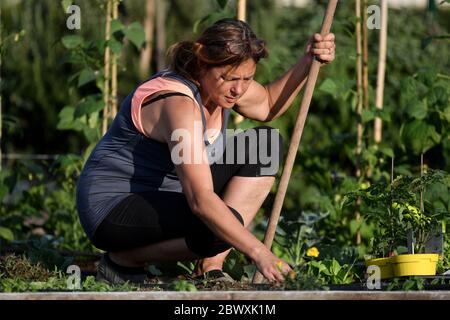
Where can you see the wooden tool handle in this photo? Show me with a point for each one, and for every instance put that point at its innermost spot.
(295, 138)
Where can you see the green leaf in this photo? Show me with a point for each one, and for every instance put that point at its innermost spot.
(222, 3)
(73, 57)
(319, 265)
(88, 106)
(212, 17)
(91, 134)
(329, 86)
(445, 115)
(249, 271)
(418, 109)
(197, 23)
(387, 151)
(66, 3)
(367, 115)
(116, 46)
(72, 41)
(74, 76)
(438, 96)
(428, 76)
(419, 136)
(66, 118)
(366, 230)
(409, 93)
(86, 76)
(4, 190)
(136, 34)
(335, 267)
(116, 25)
(384, 114)
(6, 234)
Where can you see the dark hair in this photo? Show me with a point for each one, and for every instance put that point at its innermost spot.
(226, 42)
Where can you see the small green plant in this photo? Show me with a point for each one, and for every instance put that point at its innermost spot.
(413, 283)
(296, 237)
(182, 285)
(300, 279)
(395, 209)
(330, 271)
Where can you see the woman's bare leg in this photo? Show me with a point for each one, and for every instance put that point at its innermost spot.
(246, 195)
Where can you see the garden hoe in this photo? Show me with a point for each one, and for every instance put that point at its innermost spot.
(295, 138)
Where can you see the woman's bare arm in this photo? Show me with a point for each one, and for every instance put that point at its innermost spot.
(265, 103)
(183, 131)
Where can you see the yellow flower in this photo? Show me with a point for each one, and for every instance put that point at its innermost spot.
(279, 265)
(312, 252)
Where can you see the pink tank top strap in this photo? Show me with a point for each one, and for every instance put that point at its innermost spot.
(150, 87)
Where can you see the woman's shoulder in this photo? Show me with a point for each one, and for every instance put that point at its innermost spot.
(161, 84)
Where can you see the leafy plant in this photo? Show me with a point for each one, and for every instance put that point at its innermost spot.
(330, 271)
(425, 107)
(297, 236)
(87, 56)
(182, 285)
(298, 279)
(413, 283)
(395, 210)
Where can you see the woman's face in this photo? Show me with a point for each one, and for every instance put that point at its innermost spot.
(223, 86)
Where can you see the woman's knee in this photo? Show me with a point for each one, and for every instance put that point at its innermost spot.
(264, 151)
(270, 139)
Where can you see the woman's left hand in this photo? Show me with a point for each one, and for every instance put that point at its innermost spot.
(322, 48)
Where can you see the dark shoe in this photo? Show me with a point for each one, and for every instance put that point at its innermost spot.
(109, 273)
(215, 275)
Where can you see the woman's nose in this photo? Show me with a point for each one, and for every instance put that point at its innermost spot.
(237, 89)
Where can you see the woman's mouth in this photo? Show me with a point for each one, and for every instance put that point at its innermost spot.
(230, 99)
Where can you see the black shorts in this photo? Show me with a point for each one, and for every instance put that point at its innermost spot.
(151, 217)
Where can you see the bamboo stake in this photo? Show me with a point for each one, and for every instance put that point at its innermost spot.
(296, 137)
(146, 52)
(241, 10)
(365, 50)
(359, 106)
(359, 83)
(160, 34)
(381, 69)
(115, 16)
(107, 67)
(241, 15)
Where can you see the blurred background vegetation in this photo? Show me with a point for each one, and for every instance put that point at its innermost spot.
(52, 87)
